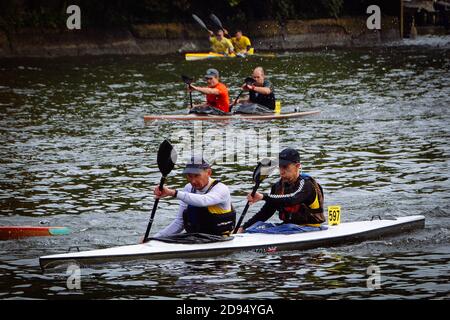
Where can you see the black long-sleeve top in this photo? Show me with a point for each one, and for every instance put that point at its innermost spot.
(283, 194)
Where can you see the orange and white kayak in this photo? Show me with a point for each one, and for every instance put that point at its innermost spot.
(236, 116)
(16, 232)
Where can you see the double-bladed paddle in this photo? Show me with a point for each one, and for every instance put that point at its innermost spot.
(217, 21)
(200, 22)
(248, 81)
(166, 159)
(188, 81)
(264, 168)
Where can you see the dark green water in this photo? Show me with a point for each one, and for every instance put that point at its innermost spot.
(75, 151)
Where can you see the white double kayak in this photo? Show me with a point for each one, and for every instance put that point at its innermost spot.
(349, 232)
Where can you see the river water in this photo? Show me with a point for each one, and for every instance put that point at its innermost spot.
(76, 152)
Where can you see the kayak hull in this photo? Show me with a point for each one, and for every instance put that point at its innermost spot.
(206, 55)
(16, 232)
(201, 117)
(212, 55)
(156, 250)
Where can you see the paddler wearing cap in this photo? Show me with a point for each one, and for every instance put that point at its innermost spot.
(205, 203)
(297, 197)
(217, 99)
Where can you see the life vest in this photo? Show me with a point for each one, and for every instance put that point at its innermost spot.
(305, 214)
(266, 100)
(210, 220)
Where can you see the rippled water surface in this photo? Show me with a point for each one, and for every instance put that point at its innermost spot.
(75, 151)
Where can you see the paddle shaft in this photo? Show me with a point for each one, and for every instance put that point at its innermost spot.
(237, 98)
(188, 80)
(155, 206)
(245, 209)
(239, 95)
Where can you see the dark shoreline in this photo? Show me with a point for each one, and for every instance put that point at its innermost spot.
(161, 39)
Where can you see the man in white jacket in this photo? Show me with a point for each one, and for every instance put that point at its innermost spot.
(205, 203)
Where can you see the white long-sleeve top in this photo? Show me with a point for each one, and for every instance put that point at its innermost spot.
(219, 195)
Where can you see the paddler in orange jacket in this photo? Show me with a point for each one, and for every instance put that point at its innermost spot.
(217, 99)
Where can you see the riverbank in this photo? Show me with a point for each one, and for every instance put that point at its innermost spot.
(143, 39)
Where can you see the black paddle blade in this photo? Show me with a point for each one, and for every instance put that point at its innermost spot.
(264, 168)
(249, 81)
(257, 172)
(199, 21)
(216, 20)
(186, 79)
(167, 157)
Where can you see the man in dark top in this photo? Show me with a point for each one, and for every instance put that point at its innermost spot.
(261, 92)
(297, 197)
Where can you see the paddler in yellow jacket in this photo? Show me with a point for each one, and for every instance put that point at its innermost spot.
(241, 44)
(220, 44)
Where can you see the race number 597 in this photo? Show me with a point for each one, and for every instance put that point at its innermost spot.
(334, 215)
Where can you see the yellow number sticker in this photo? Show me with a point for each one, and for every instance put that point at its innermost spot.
(277, 106)
(334, 215)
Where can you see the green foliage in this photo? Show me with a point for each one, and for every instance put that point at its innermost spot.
(283, 9)
(52, 13)
(234, 3)
(312, 9)
(333, 7)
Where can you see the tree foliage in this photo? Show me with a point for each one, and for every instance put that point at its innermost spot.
(51, 13)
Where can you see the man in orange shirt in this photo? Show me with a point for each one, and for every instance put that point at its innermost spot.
(217, 99)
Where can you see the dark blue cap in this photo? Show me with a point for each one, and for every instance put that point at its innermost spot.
(288, 156)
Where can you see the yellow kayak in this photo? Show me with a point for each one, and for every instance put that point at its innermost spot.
(206, 55)
(212, 55)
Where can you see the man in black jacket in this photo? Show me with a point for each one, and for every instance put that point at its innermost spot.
(261, 91)
(297, 197)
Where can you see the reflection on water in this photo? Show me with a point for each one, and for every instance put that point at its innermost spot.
(295, 275)
(75, 151)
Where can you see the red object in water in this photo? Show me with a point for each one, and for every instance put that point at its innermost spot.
(16, 232)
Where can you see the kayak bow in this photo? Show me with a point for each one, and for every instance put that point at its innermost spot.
(16, 232)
